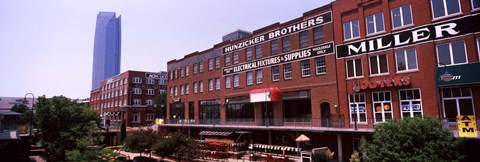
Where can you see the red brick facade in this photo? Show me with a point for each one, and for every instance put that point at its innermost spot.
(382, 67)
(128, 96)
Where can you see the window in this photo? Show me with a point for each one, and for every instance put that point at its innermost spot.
(235, 57)
(475, 4)
(195, 68)
(149, 91)
(274, 47)
(150, 81)
(258, 51)
(317, 35)
(357, 108)
(354, 68)
(137, 102)
(125, 81)
(137, 80)
(176, 73)
(137, 91)
(187, 89)
(210, 85)
(286, 44)
(171, 75)
(187, 70)
(406, 60)
(452, 53)
(210, 64)
(149, 116)
(217, 83)
(457, 101)
(236, 81)
(410, 103)
(248, 54)
(135, 118)
(378, 64)
(442, 8)
(259, 74)
(287, 71)
(382, 106)
(375, 23)
(182, 72)
(320, 66)
(303, 39)
(249, 78)
(195, 88)
(175, 90)
(240, 112)
(200, 86)
(171, 91)
(182, 89)
(200, 67)
(402, 16)
(228, 82)
(275, 73)
(350, 29)
(227, 59)
(305, 66)
(149, 102)
(217, 62)
(478, 45)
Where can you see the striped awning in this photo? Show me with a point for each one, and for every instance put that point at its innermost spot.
(215, 133)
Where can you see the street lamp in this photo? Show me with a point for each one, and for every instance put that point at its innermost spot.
(446, 77)
(31, 115)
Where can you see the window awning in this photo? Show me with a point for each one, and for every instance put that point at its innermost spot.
(215, 133)
(265, 95)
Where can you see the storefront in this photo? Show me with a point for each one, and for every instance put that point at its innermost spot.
(209, 111)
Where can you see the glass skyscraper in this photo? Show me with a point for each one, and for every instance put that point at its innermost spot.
(107, 48)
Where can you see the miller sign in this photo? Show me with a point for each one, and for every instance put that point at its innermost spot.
(441, 30)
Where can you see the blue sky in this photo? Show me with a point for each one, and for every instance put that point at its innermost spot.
(46, 47)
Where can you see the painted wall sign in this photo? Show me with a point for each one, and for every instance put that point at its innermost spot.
(462, 74)
(441, 30)
(155, 76)
(279, 59)
(414, 107)
(360, 109)
(312, 22)
(395, 81)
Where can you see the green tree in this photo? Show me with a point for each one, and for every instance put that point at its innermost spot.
(141, 141)
(26, 116)
(161, 99)
(66, 126)
(179, 146)
(413, 139)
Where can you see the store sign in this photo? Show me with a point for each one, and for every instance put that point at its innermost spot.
(441, 30)
(176, 99)
(462, 75)
(155, 76)
(467, 126)
(395, 81)
(279, 59)
(306, 24)
(360, 109)
(414, 107)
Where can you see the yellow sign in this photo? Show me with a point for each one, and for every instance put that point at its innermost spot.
(467, 126)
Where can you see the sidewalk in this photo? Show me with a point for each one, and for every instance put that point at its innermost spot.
(131, 155)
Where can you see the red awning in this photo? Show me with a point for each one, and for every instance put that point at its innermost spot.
(265, 95)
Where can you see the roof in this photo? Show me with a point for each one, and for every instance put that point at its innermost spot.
(9, 112)
(215, 133)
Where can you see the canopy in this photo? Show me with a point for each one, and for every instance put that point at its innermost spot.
(215, 133)
(302, 138)
(265, 95)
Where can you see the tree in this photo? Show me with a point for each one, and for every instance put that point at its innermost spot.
(179, 146)
(160, 100)
(141, 141)
(26, 116)
(66, 126)
(413, 139)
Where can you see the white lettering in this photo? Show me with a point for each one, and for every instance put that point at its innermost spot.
(397, 42)
(356, 50)
(418, 35)
(380, 44)
(439, 29)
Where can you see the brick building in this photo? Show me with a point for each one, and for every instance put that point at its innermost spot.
(129, 96)
(332, 74)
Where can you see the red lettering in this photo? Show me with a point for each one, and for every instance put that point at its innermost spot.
(389, 81)
(382, 83)
(396, 81)
(406, 80)
(373, 84)
(364, 84)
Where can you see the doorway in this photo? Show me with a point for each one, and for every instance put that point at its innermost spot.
(325, 110)
(267, 113)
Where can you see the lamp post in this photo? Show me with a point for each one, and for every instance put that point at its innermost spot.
(31, 115)
(446, 77)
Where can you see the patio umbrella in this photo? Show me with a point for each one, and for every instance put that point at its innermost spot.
(301, 138)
